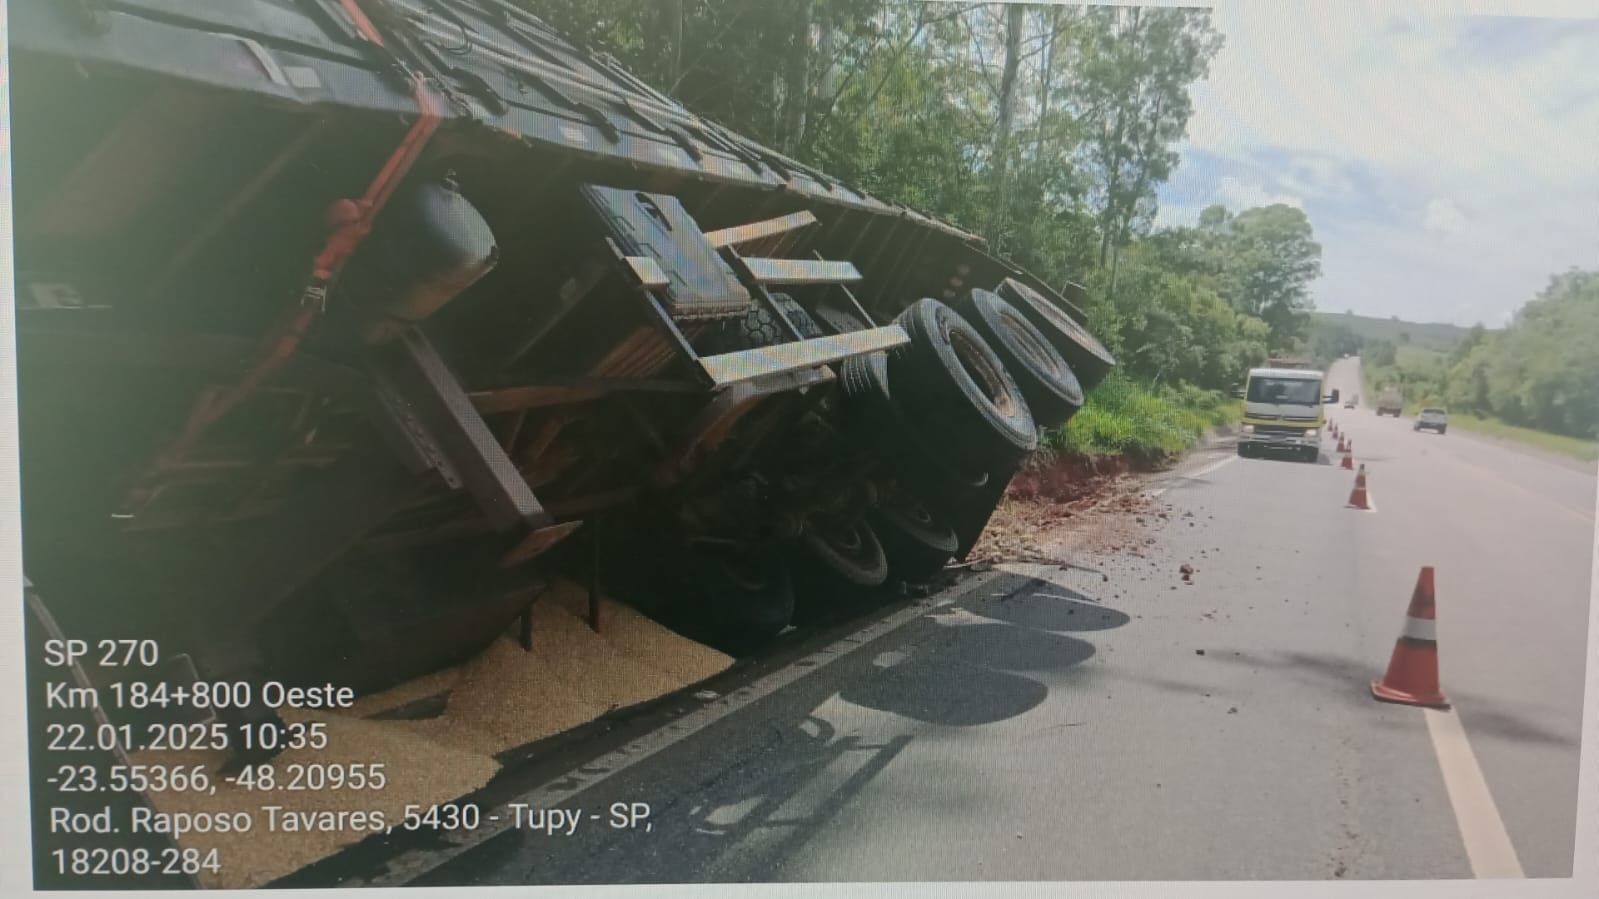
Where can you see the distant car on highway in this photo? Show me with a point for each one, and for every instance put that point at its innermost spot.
(1432, 418)
(1350, 403)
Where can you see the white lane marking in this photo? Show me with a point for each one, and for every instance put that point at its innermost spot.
(408, 866)
(1488, 845)
(1198, 473)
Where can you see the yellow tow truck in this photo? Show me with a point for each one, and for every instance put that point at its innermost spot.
(1283, 413)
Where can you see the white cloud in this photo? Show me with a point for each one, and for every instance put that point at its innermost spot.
(1317, 175)
(1444, 217)
(1233, 192)
(1457, 147)
(1357, 82)
(1236, 193)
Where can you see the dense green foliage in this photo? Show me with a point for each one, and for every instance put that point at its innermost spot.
(1541, 372)
(1124, 416)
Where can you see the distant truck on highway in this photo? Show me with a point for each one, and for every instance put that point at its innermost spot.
(1390, 401)
(1283, 413)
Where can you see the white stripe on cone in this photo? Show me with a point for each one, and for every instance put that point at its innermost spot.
(1421, 629)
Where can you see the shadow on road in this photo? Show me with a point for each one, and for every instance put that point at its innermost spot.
(739, 800)
(1350, 680)
(962, 675)
(1047, 607)
(1480, 718)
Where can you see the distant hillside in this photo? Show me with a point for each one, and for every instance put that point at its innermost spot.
(1434, 335)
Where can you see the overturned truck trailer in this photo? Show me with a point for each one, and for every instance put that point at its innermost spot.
(343, 324)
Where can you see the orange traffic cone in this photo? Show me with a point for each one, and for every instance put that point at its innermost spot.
(1412, 677)
(1357, 496)
(1342, 446)
(1348, 462)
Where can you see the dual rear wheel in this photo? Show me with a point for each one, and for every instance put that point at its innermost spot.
(957, 408)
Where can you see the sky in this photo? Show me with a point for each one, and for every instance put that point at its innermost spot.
(1448, 162)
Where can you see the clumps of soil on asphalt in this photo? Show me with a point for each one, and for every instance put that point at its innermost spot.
(1063, 507)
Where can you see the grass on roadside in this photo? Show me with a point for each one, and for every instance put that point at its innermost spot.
(1124, 416)
(1558, 443)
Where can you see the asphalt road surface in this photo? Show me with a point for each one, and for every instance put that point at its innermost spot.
(1038, 723)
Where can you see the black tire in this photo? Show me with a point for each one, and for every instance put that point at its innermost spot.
(838, 321)
(863, 384)
(851, 551)
(749, 600)
(1246, 451)
(949, 381)
(1310, 455)
(1088, 358)
(759, 327)
(1046, 380)
(917, 543)
(1442, 430)
(803, 321)
(837, 571)
(870, 413)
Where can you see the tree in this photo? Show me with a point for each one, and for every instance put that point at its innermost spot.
(1132, 97)
(1174, 326)
(1014, 18)
(797, 76)
(1543, 371)
(1329, 341)
(1380, 353)
(1272, 258)
(1473, 339)
(1261, 260)
(672, 12)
